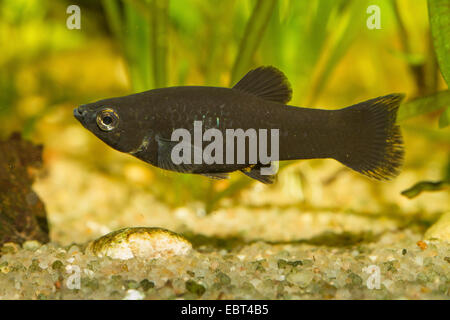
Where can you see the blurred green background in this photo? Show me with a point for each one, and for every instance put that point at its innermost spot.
(324, 47)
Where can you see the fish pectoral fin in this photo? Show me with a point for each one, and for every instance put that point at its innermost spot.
(216, 176)
(165, 147)
(255, 172)
(165, 161)
(268, 83)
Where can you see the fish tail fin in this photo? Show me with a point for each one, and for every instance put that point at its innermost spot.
(375, 148)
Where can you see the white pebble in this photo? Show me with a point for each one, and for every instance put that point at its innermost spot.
(146, 243)
(133, 294)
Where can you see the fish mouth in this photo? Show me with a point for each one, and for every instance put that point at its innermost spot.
(80, 113)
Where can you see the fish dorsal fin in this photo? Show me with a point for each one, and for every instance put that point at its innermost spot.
(266, 82)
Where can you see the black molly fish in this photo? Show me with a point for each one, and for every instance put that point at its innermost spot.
(363, 136)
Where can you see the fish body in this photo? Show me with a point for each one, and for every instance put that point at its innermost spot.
(364, 136)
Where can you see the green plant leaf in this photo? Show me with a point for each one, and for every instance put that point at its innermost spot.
(253, 34)
(424, 105)
(314, 31)
(137, 48)
(439, 15)
(132, 27)
(428, 133)
(113, 16)
(346, 30)
(444, 120)
(422, 186)
(160, 16)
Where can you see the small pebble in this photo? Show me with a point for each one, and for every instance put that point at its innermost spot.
(31, 245)
(57, 265)
(422, 245)
(195, 288)
(223, 278)
(9, 247)
(146, 284)
(133, 294)
(302, 278)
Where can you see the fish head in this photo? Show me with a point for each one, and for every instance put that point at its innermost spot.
(113, 122)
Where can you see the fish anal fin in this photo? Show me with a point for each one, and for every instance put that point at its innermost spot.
(267, 83)
(216, 176)
(255, 173)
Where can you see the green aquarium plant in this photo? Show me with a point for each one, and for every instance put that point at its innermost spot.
(439, 17)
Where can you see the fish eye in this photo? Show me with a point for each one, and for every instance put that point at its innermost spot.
(107, 119)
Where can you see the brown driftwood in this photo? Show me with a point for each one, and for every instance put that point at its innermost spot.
(22, 213)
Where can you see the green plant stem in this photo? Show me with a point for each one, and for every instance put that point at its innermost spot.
(160, 16)
(113, 16)
(253, 34)
(417, 70)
